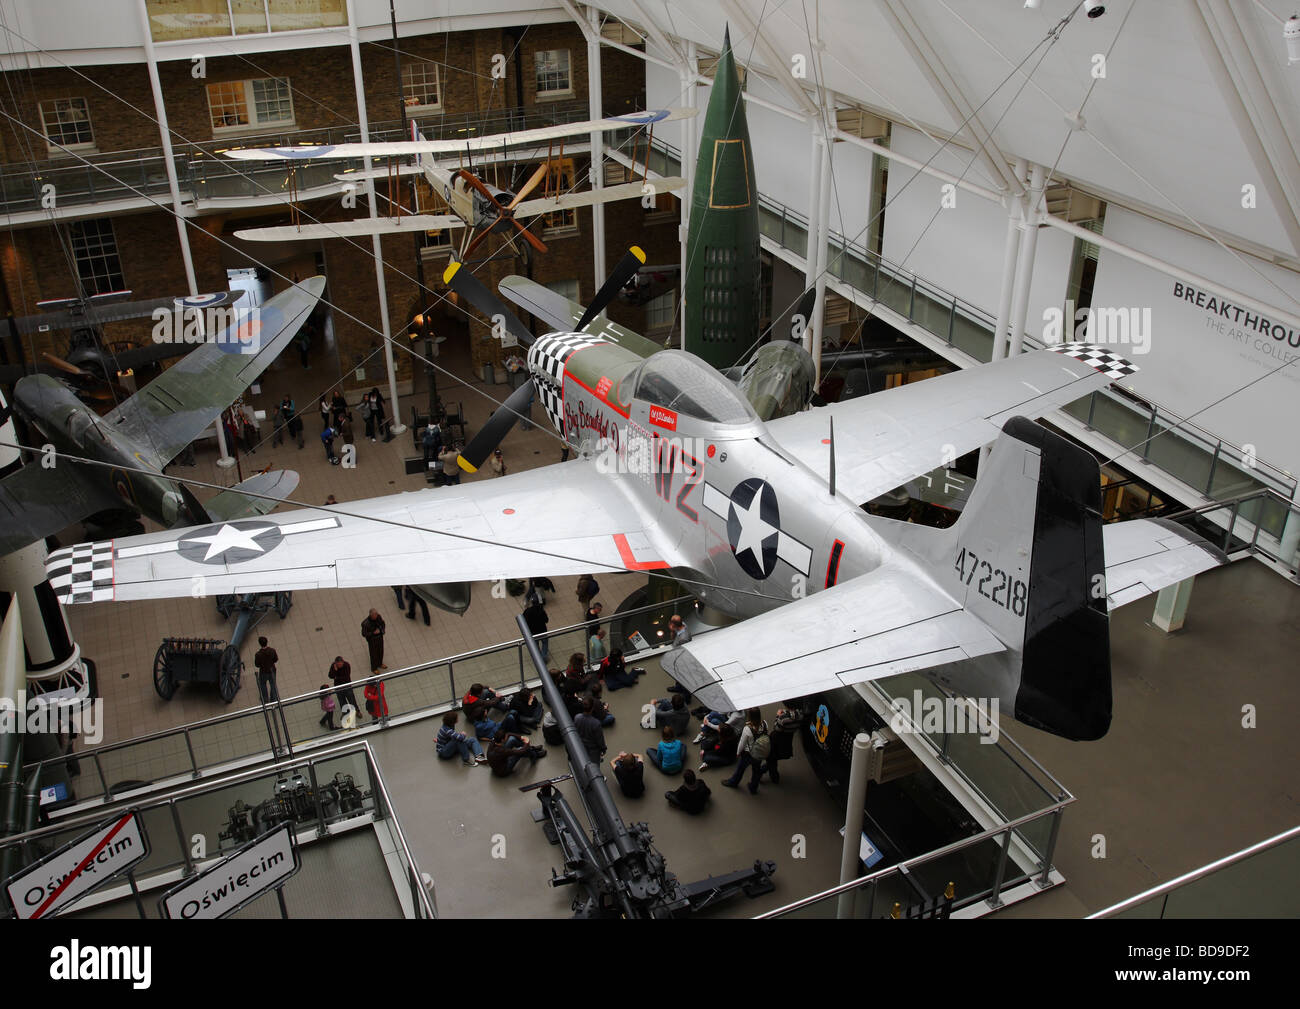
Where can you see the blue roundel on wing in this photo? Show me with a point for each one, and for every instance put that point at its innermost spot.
(754, 527)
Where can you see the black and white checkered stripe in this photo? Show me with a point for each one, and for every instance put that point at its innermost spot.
(82, 573)
(1111, 365)
(546, 359)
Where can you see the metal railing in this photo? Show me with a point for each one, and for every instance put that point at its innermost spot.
(267, 730)
(894, 886)
(1259, 881)
(173, 820)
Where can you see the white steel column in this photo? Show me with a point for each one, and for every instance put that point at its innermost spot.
(1025, 268)
(363, 121)
(594, 105)
(823, 249)
(690, 96)
(1010, 258)
(173, 184)
(814, 215)
(851, 853)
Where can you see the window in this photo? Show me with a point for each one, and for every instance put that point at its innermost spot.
(95, 249)
(659, 312)
(66, 122)
(250, 104)
(559, 180)
(552, 66)
(420, 87)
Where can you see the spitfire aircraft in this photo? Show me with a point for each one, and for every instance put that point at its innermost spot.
(145, 432)
(677, 474)
(473, 203)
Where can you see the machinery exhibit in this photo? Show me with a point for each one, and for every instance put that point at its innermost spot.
(854, 436)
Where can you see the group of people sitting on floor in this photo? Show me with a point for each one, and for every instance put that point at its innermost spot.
(742, 738)
(506, 745)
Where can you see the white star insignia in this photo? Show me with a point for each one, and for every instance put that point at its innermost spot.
(753, 530)
(229, 536)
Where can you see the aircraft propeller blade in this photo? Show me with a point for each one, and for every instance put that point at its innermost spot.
(469, 287)
(529, 186)
(632, 261)
(803, 308)
(527, 235)
(491, 434)
(63, 365)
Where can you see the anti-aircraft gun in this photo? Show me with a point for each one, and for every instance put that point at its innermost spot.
(616, 868)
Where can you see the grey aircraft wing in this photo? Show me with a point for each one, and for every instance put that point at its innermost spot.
(173, 409)
(37, 502)
(555, 520)
(888, 438)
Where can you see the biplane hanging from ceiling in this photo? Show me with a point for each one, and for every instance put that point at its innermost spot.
(476, 205)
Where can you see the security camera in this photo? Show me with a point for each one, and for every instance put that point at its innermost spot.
(1291, 32)
(1093, 9)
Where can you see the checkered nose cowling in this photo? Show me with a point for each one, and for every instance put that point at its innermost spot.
(82, 573)
(1098, 358)
(546, 359)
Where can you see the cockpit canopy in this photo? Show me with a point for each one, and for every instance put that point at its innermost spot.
(682, 382)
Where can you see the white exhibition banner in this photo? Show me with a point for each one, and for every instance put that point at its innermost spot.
(1201, 347)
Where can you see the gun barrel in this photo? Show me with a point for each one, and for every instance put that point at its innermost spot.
(610, 828)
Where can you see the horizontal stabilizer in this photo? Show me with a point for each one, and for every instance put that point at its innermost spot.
(255, 496)
(1146, 555)
(880, 624)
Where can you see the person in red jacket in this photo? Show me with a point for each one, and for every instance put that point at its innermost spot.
(375, 702)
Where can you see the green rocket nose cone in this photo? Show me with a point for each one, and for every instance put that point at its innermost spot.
(722, 281)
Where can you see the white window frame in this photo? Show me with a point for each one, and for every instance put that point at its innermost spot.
(254, 125)
(554, 92)
(656, 305)
(106, 256)
(427, 68)
(54, 148)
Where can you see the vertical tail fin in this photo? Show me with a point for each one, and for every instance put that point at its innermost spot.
(1026, 557)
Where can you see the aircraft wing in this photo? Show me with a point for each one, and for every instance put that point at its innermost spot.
(561, 314)
(402, 148)
(625, 191)
(883, 623)
(887, 438)
(173, 409)
(1146, 555)
(540, 521)
(410, 224)
(36, 502)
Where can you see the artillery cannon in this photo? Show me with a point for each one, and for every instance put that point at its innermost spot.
(617, 869)
(197, 660)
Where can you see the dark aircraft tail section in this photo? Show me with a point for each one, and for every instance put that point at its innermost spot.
(1026, 558)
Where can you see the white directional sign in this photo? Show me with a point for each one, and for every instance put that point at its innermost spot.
(47, 887)
(223, 888)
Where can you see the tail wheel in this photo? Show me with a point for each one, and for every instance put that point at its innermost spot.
(163, 681)
(283, 603)
(231, 668)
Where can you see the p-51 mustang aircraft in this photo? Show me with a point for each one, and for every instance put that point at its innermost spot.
(146, 432)
(474, 203)
(677, 474)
